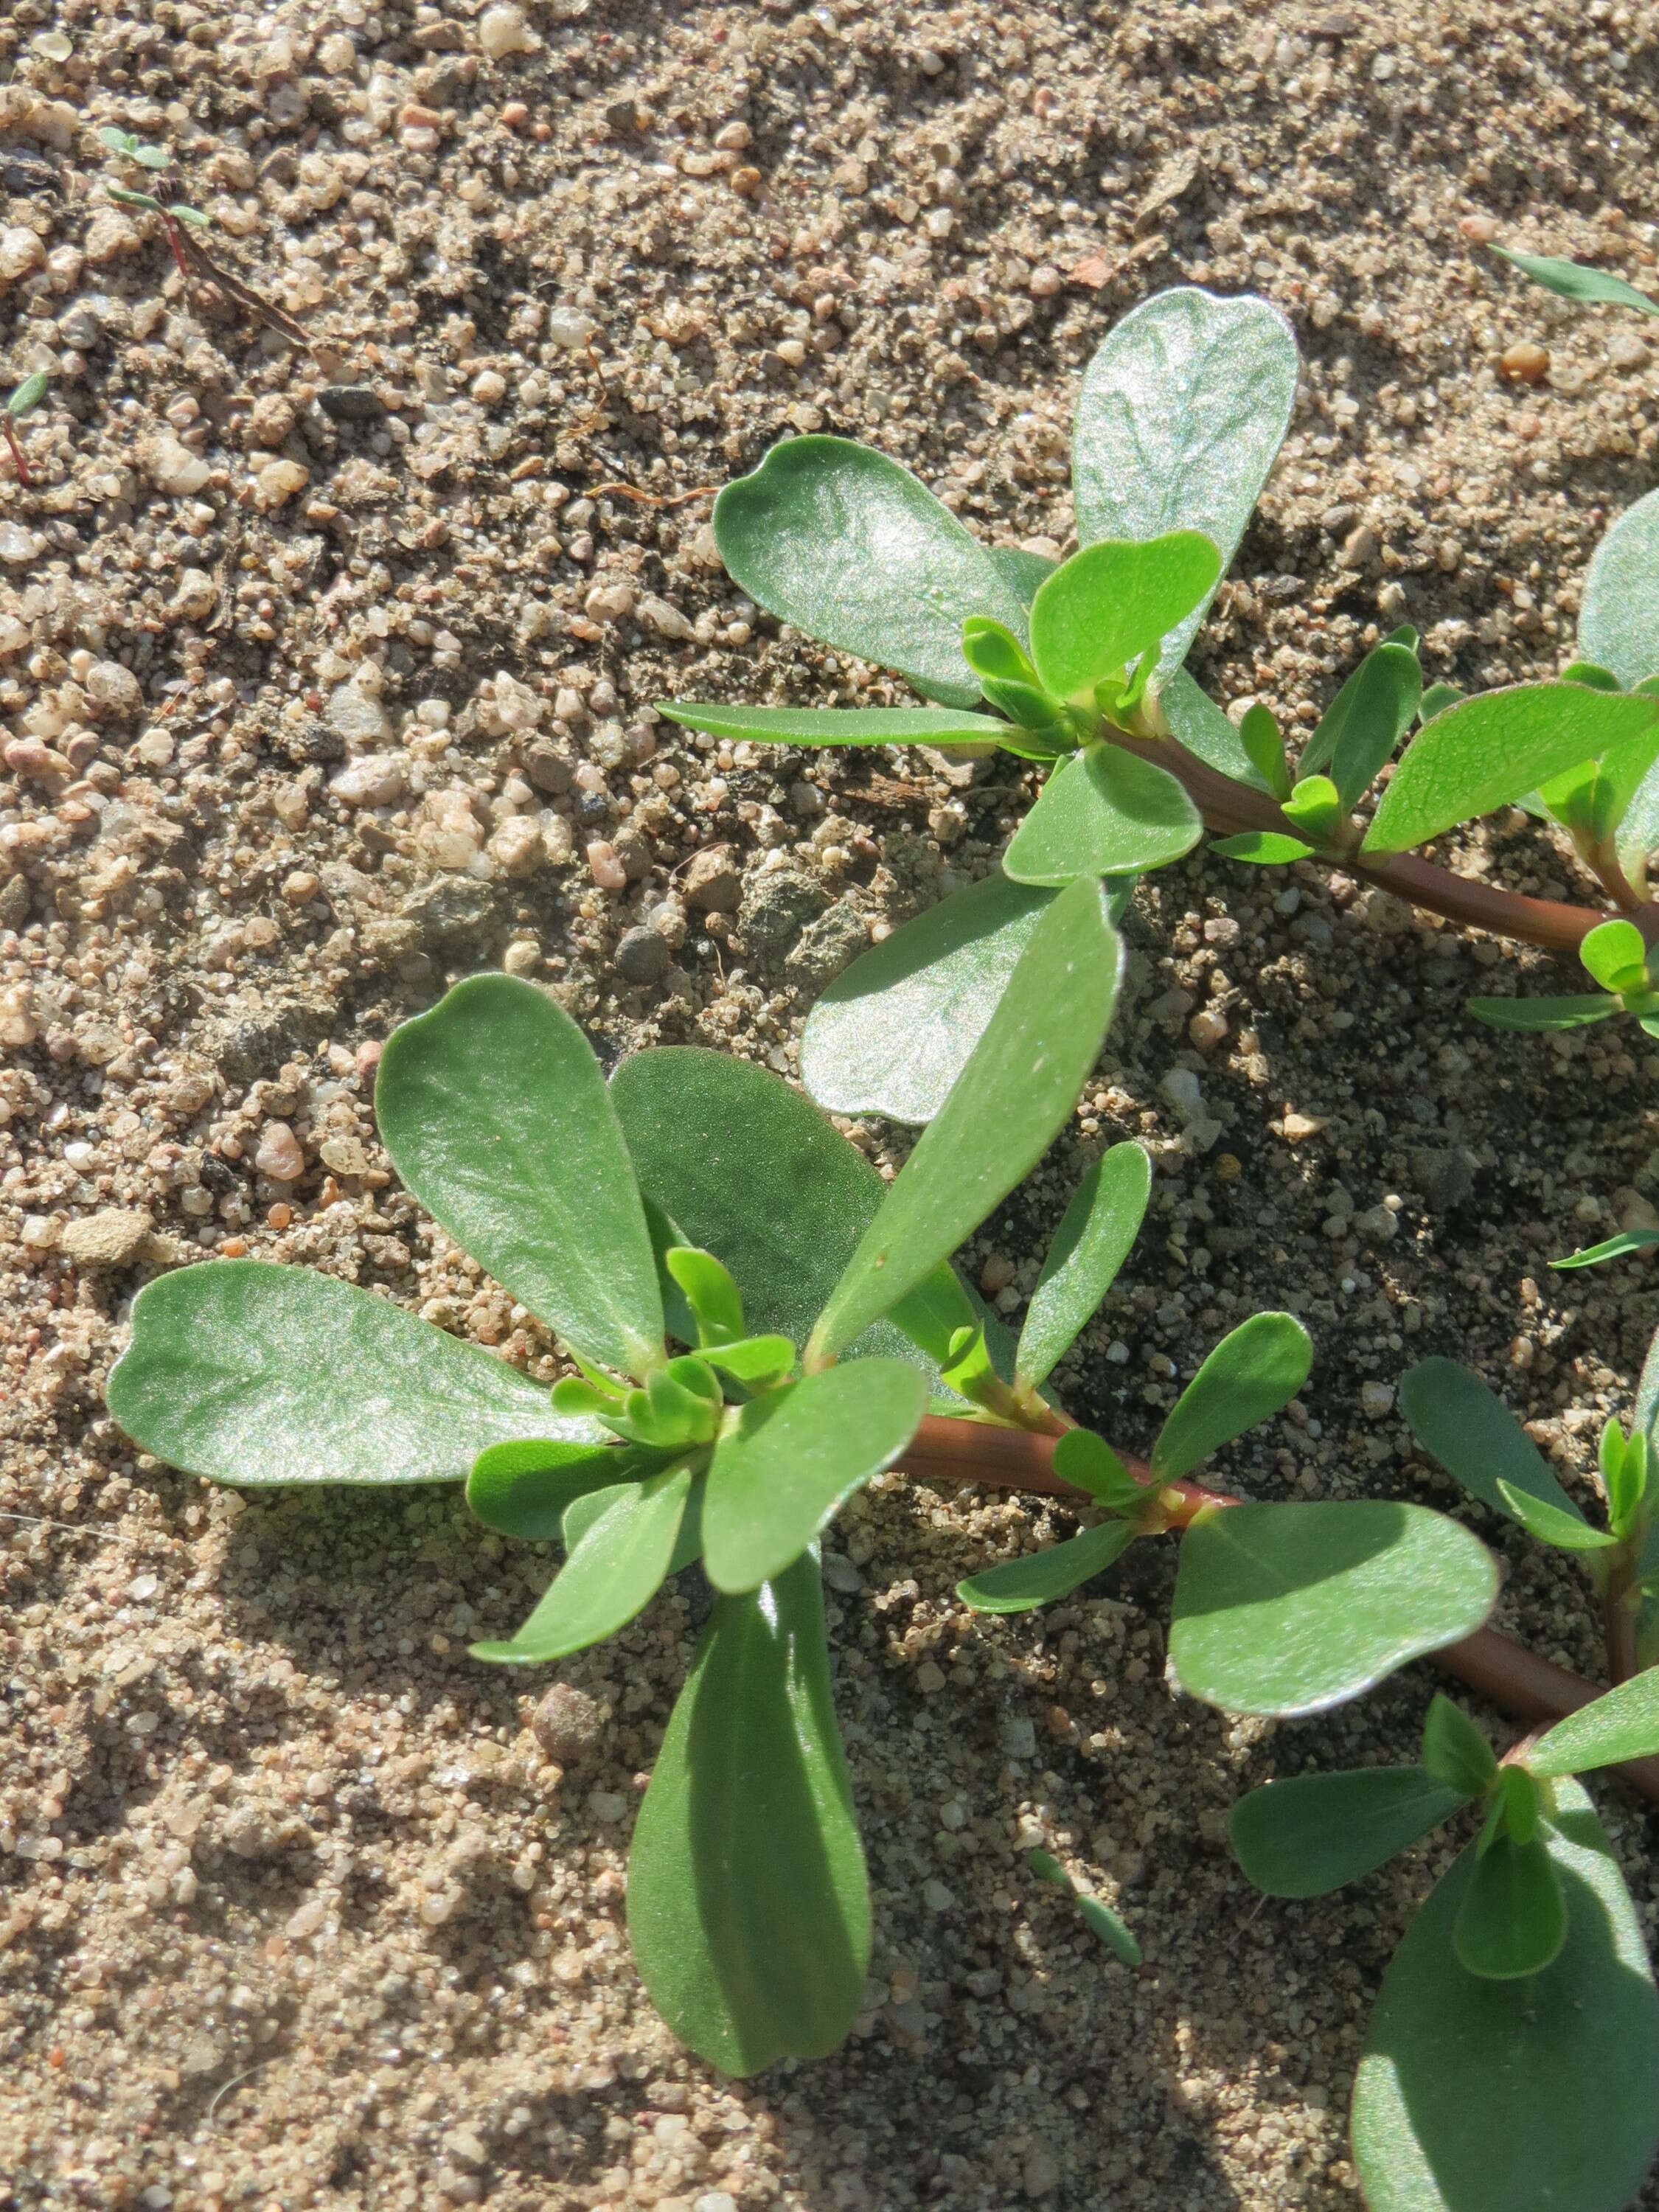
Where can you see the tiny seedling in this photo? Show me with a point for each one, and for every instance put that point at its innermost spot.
(23, 401)
(1573, 280)
(1077, 670)
(1513, 2056)
(1098, 1918)
(695, 1200)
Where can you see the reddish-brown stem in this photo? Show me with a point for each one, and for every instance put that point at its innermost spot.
(23, 476)
(1619, 1613)
(1231, 808)
(1513, 1677)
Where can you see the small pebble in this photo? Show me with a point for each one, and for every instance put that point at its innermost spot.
(279, 1155)
(1526, 362)
(643, 957)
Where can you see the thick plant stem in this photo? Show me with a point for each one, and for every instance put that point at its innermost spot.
(1231, 808)
(1515, 1679)
(1619, 1614)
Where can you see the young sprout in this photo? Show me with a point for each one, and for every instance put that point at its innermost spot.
(23, 401)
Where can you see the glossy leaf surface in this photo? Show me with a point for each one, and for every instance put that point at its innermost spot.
(1313, 1833)
(892, 1032)
(1180, 418)
(1567, 1532)
(497, 1118)
(837, 725)
(1254, 1371)
(614, 1570)
(1615, 954)
(1088, 1247)
(1622, 1723)
(1016, 1093)
(1611, 1247)
(794, 1455)
(1531, 2096)
(1046, 1576)
(852, 549)
(522, 1490)
(1475, 1438)
(1112, 603)
(1088, 1462)
(1487, 751)
(248, 1372)
(748, 1908)
(1263, 848)
(1104, 813)
(1287, 1609)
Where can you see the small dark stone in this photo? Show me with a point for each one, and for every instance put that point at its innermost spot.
(548, 769)
(777, 906)
(15, 901)
(311, 744)
(642, 957)
(569, 1724)
(351, 402)
(449, 912)
(825, 946)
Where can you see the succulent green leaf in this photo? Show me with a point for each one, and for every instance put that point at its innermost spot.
(1615, 953)
(1105, 1926)
(193, 217)
(892, 1032)
(1365, 721)
(837, 725)
(790, 1458)
(1314, 1832)
(756, 1361)
(28, 394)
(1486, 751)
(497, 1118)
(1089, 1245)
(1619, 620)
(1567, 1532)
(1285, 1609)
(993, 651)
(1254, 1371)
(1512, 1921)
(251, 1373)
(614, 1570)
(748, 1907)
(1536, 1016)
(1483, 2096)
(1012, 1099)
(1263, 848)
(115, 140)
(521, 1490)
(1104, 813)
(1114, 602)
(1625, 1470)
(1435, 700)
(1622, 1724)
(1315, 809)
(1455, 1752)
(1259, 733)
(1180, 418)
(1089, 1463)
(1025, 573)
(713, 1297)
(754, 1173)
(1522, 1807)
(1475, 1438)
(1573, 281)
(1044, 1578)
(849, 547)
(1200, 727)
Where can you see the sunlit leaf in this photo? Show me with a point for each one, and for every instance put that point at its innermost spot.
(522, 1490)
(1200, 727)
(1313, 1833)
(1264, 848)
(837, 725)
(1105, 812)
(1568, 1531)
(1253, 1372)
(1610, 1247)
(497, 1118)
(1573, 281)
(1088, 1247)
(1365, 722)
(1615, 954)
(1621, 1724)
(1112, 603)
(1044, 1578)
(1088, 1462)
(1287, 1609)
(748, 1908)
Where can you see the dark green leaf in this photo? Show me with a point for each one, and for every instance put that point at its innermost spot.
(1104, 813)
(1314, 1832)
(1252, 1372)
(1365, 721)
(1045, 1577)
(849, 547)
(1455, 1752)
(892, 1033)
(1181, 416)
(1537, 1015)
(1536, 2096)
(1089, 1245)
(792, 1457)
(1200, 727)
(497, 1118)
(1014, 1096)
(1623, 1724)
(250, 1373)
(748, 1908)
(1567, 1532)
(522, 1490)
(1486, 751)
(1513, 1919)
(1287, 1609)
(1264, 848)
(1112, 603)
(615, 1569)
(837, 725)
(1573, 281)
(1475, 1438)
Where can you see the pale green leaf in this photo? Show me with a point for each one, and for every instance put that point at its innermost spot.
(1621, 1725)
(1538, 1017)
(1263, 848)
(1610, 1247)
(1111, 604)
(1567, 1532)
(1573, 281)
(838, 725)
(1615, 954)
(1105, 812)
(1088, 1247)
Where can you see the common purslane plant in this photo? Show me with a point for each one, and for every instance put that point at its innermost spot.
(1079, 669)
(695, 1200)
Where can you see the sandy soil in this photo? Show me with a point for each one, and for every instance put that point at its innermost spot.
(320, 676)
